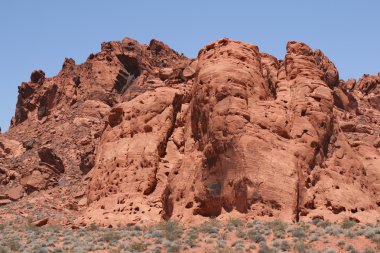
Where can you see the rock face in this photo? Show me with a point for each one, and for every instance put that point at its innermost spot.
(143, 134)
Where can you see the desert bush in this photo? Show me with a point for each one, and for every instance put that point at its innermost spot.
(314, 238)
(226, 250)
(157, 249)
(221, 244)
(341, 244)
(369, 250)
(13, 244)
(110, 236)
(137, 247)
(299, 246)
(347, 224)
(238, 246)
(208, 241)
(371, 232)
(256, 236)
(325, 240)
(322, 223)
(41, 250)
(276, 243)
(155, 234)
(235, 223)
(285, 245)
(209, 227)
(264, 248)
(173, 247)
(93, 227)
(376, 240)
(332, 230)
(298, 232)
(171, 229)
(349, 233)
(240, 234)
(351, 249)
(278, 227)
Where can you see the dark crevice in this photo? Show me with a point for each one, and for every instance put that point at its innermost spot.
(132, 70)
(131, 64)
(167, 202)
(177, 105)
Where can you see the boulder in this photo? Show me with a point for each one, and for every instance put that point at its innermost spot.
(34, 181)
(166, 73)
(37, 76)
(41, 223)
(15, 193)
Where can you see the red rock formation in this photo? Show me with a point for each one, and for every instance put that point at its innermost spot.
(143, 133)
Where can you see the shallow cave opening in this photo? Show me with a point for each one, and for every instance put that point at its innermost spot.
(131, 64)
(127, 76)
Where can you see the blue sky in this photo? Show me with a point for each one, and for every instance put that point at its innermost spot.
(40, 34)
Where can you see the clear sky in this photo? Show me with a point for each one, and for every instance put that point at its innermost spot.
(40, 34)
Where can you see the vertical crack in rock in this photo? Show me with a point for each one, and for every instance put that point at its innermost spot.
(177, 103)
(161, 148)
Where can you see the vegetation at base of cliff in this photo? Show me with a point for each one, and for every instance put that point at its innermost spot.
(234, 235)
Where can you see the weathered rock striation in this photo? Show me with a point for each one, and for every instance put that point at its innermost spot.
(139, 133)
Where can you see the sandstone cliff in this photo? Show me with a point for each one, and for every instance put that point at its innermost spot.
(139, 133)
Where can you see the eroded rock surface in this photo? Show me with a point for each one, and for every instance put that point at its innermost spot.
(139, 133)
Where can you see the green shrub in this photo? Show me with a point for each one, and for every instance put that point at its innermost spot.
(276, 244)
(369, 250)
(325, 240)
(190, 242)
(241, 234)
(349, 234)
(171, 229)
(321, 223)
(372, 232)
(299, 246)
(110, 236)
(256, 236)
(138, 247)
(285, 245)
(298, 233)
(93, 227)
(265, 248)
(314, 238)
(13, 244)
(341, 244)
(351, 248)
(173, 248)
(42, 250)
(235, 222)
(221, 244)
(347, 224)
(209, 227)
(278, 227)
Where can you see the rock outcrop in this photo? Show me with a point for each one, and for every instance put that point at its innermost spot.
(139, 133)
